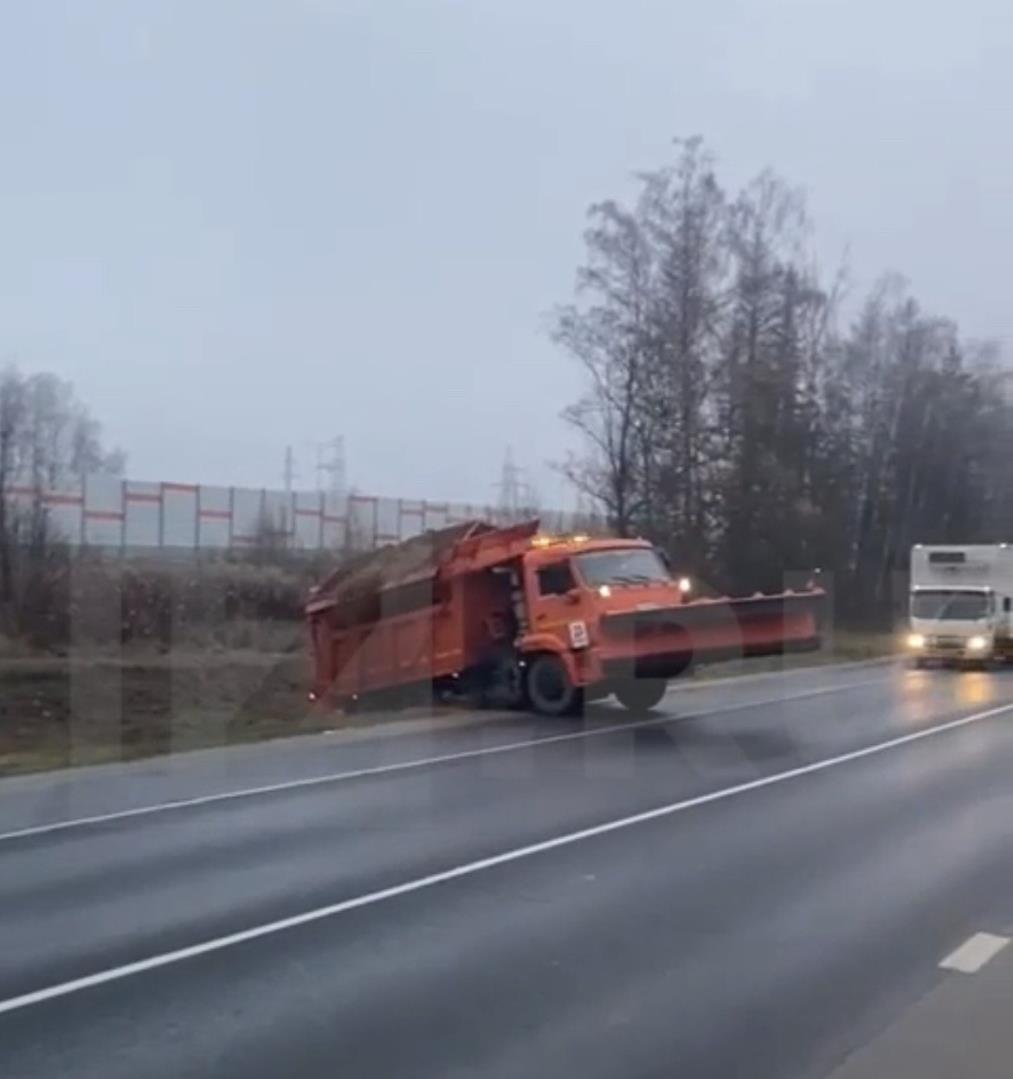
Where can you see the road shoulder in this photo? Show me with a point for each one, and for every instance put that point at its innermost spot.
(961, 1027)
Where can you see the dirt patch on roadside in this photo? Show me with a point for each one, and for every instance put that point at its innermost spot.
(60, 711)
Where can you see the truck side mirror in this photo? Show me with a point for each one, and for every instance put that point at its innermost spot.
(1007, 603)
(572, 596)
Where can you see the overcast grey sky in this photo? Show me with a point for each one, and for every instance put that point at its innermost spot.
(236, 225)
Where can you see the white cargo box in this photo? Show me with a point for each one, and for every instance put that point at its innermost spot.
(956, 566)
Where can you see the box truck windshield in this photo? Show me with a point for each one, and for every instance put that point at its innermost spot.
(950, 604)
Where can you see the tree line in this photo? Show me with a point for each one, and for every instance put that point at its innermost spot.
(736, 416)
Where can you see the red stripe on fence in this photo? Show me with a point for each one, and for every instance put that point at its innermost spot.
(190, 488)
(103, 515)
(138, 496)
(307, 513)
(63, 500)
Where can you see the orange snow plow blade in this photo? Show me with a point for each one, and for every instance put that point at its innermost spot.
(665, 640)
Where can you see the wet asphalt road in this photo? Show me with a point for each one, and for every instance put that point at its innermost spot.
(493, 896)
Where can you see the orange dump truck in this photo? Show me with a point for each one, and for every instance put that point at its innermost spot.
(522, 619)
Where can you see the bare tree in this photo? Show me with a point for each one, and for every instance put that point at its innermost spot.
(685, 215)
(613, 339)
(47, 439)
(12, 423)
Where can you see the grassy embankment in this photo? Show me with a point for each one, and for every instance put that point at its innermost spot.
(124, 658)
(94, 706)
(846, 646)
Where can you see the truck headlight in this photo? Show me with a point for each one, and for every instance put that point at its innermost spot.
(685, 585)
(915, 640)
(977, 644)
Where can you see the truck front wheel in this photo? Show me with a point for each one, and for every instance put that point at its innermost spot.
(550, 688)
(641, 694)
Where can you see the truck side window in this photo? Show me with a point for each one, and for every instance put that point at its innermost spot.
(555, 580)
(1007, 603)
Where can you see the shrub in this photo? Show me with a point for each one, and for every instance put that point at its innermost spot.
(88, 597)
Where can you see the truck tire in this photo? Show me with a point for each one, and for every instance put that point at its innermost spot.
(550, 690)
(641, 694)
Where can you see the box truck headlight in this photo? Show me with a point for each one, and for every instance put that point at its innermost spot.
(977, 644)
(915, 640)
(685, 585)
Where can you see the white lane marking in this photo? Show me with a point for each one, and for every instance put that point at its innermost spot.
(974, 953)
(404, 766)
(218, 944)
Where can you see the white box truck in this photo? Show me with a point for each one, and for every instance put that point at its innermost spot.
(961, 602)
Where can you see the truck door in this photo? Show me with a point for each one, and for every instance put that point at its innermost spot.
(552, 588)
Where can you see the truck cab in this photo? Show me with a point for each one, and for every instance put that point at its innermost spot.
(960, 603)
(576, 588)
(572, 583)
(607, 616)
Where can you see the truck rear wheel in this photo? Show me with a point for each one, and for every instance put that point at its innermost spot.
(641, 694)
(550, 689)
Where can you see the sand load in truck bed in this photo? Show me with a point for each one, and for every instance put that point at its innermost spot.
(354, 590)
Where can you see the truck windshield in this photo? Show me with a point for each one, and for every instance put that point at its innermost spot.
(635, 565)
(950, 604)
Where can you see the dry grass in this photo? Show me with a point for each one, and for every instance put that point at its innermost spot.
(845, 647)
(93, 707)
(137, 656)
(74, 710)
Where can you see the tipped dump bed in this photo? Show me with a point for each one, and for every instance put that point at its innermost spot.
(408, 562)
(413, 561)
(417, 563)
